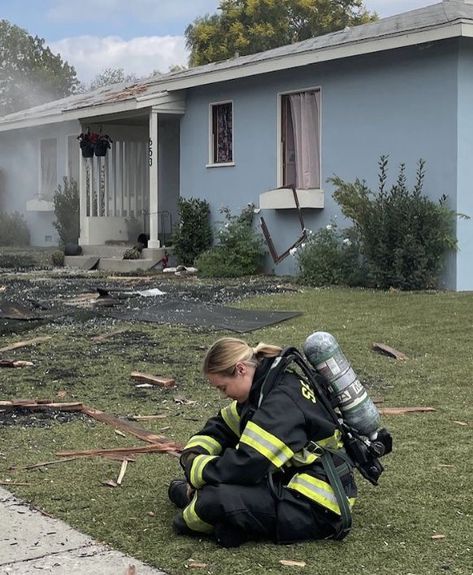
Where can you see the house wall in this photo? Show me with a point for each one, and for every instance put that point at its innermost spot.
(20, 169)
(464, 256)
(402, 103)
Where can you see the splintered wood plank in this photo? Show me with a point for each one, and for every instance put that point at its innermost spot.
(153, 379)
(15, 363)
(43, 464)
(123, 451)
(25, 343)
(123, 425)
(402, 410)
(40, 405)
(387, 350)
(121, 475)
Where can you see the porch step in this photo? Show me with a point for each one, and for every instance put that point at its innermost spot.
(124, 266)
(81, 262)
(106, 251)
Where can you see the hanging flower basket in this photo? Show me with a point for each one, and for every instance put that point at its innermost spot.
(102, 144)
(92, 142)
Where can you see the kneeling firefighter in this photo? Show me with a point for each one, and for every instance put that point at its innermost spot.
(274, 463)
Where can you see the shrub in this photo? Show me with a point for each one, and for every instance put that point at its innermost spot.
(404, 235)
(13, 230)
(66, 210)
(194, 234)
(17, 261)
(330, 257)
(57, 258)
(239, 251)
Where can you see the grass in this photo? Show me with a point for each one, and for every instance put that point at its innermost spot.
(426, 487)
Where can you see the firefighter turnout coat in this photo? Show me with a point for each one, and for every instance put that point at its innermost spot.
(258, 464)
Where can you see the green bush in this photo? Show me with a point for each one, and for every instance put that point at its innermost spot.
(194, 234)
(16, 261)
(13, 230)
(57, 258)
(239, 251)
(404, 236)
(66, 210)
(330, 257)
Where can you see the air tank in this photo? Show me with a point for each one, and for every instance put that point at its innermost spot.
(358, 411)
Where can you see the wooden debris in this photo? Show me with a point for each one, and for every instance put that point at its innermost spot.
(144, 386)
(153, 379)
(192, 564)
(291, 563)
(387, 350)
(438, 536)
(25, 343)
(105, 336)
(13, 483)
(109, 483)
(124, 425)
(464, 423)
(148, 417)
(183, 400)
(43, 464)
(41, 405)
(123, 451)
(121, 475)
(403, 410)
(15, 363)
(118, 432)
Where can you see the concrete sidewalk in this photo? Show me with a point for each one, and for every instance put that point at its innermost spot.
(33, 543)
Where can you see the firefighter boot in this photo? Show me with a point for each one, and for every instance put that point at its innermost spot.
(177, 493)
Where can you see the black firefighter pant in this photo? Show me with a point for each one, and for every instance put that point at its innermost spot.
(257, 513)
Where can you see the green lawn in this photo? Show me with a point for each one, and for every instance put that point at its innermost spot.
(425, 490)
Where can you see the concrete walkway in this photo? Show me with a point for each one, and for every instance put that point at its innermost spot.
(33, 543)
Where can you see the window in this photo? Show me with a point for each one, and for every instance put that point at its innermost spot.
(300, 139)
(48, 163)
(222, 133)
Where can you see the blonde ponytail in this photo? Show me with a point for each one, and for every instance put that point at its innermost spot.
(226, 352)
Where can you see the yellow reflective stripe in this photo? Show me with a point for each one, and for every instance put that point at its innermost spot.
(197, 469)
(193, 521)
(318, 491)
(332, 442)
(267, 444)
(231, 417)
(211, 445)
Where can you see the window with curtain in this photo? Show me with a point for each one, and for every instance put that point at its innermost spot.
(300, 131)
(48, 166)
(222, 133)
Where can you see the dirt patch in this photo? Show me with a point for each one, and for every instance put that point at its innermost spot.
(46, 418)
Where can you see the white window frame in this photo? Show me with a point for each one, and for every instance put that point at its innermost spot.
(279, 143)
(211, 162)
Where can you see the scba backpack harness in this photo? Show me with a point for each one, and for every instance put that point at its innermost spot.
(361, 452)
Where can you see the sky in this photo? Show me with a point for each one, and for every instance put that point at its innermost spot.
(140, 36)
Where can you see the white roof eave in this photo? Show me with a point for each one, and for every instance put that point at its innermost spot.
(285, 61)
(356, 48)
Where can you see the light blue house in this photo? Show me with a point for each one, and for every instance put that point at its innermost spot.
(235, 131)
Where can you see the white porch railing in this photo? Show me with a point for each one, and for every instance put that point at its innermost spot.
(117, 185)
